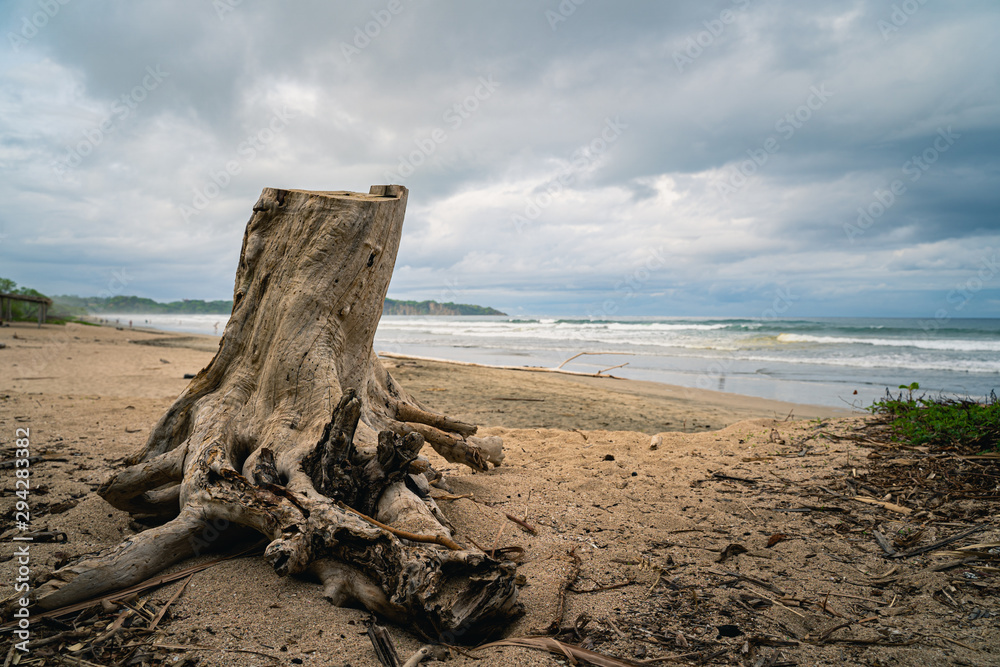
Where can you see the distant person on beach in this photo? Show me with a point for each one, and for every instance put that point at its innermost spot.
(130, 324)
(215, 327)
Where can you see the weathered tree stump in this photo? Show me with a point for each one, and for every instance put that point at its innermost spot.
(297, 431)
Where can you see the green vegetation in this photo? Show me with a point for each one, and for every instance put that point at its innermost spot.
(967, 425)
(141, 306)
(25, 311)
(394, 307)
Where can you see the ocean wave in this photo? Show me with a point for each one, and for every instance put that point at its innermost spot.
(955, 345)
(893, 362)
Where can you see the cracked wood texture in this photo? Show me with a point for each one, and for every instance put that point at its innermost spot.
(295, 430)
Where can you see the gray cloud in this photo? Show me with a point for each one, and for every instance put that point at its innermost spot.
(724, 159)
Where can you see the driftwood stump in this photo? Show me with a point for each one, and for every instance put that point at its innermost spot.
(297, 431)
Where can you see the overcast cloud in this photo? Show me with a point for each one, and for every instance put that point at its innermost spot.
(572, 158)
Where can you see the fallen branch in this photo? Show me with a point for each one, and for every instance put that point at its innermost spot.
(523, 524)
(598, 589)
(940, 543)
(173, 598)
(571, 577)
(569, 651)
(893, 507)
(756, 582)
(591, 353)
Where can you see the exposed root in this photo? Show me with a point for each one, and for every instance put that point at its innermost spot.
(132, 561)
(452, 448)
(406, 412)
(129, 489)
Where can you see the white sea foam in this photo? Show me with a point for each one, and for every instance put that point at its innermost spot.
(958, 345)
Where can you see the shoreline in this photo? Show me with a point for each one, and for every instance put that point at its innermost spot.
(843, 363)
(525, 397)
(152, 363)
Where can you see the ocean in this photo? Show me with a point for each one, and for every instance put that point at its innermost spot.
(841, 362)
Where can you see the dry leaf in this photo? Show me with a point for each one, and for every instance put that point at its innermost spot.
(774, 539)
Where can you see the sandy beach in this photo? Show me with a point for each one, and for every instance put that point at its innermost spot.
(642, 537)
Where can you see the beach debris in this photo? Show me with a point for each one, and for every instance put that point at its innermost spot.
(310, 444)
(119, 628)
(730, 551)
(424, 652)
(774, 539)
(385, 648)
(580, 354)
(720, 477)
(572, 574)
(939, 544)
(490, 445)
(43, 535)
(656, 442)
(569, 651)
(512, 398)
(525, 526)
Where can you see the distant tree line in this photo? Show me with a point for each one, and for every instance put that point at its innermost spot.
(71, 306)
(394, 307)
(142, 306)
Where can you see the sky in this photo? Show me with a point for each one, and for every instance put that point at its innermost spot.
(745, 158)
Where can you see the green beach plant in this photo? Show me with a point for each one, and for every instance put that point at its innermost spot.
(965, 424)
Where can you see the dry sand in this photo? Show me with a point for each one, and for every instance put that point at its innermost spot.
(580, 469)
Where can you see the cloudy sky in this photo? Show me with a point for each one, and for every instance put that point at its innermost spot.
(574, 158)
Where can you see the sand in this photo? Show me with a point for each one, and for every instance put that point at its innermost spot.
(727, 470)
